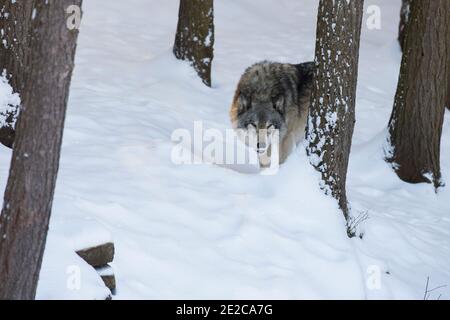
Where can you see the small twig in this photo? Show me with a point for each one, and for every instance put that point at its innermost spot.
(427, 292)
(426, 289)
(354, 222)
(440, 287)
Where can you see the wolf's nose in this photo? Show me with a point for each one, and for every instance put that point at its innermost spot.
(260, 145)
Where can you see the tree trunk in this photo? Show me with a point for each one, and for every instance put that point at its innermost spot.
(194, 40)
(416, 122)
(15, 21)
(332, 113)
(29, 193)
(405, 14)
(448, 83)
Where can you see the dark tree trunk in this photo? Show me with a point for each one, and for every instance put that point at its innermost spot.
(448, 91)
(405, 14)
(15, 20)
(194, 40)
(34, 166)
(416, 122)
(332, 113)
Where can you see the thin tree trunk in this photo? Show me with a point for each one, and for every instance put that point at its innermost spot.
(29, 193)
(194, 40)
(15, 21)
(332, 113)
(405, 14)
(416, 122)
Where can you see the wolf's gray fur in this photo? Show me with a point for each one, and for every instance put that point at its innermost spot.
(271, 96)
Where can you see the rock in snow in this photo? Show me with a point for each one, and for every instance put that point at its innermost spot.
(98, 256)
(107, 275)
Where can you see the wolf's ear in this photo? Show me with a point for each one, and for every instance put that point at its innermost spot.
(278, 103)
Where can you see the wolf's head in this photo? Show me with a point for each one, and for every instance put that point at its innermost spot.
(261, 119)
(264, 94)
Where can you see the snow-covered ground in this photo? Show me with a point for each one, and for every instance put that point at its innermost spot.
(204, 231)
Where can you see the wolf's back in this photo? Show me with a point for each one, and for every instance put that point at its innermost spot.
(305, 78)
(306, 69)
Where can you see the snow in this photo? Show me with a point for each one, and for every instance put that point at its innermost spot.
(9, 100)
(105, 271)
(207, 231)
(64, 275)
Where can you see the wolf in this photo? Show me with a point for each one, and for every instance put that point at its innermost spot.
(273, 97)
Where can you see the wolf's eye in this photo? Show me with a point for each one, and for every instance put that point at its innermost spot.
(271, 127)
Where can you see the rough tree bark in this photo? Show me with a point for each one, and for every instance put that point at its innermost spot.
(415, 127)
(15, 21)
(35, 160)
(448, 90)
(405, 14)
(448, 83)
(332, 114)
(194, 40)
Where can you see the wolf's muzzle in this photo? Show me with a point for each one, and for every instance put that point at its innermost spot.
(261, 147)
